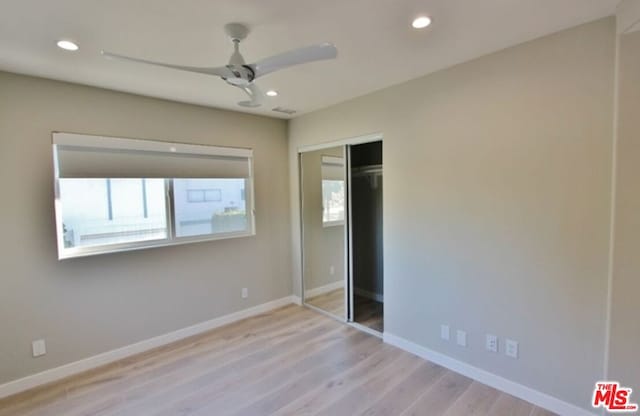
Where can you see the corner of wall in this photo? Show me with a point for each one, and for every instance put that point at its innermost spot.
(628, 16)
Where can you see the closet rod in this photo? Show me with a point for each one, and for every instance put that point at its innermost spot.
(366, 170)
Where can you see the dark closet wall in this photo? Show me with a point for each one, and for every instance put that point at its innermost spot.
(366, 199)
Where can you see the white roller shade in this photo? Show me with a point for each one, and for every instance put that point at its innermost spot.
(85, 156)
(333, 168)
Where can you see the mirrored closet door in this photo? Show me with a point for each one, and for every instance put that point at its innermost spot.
(324, 232)
(341, 221)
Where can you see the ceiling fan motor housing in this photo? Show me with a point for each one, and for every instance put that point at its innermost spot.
(243, 75)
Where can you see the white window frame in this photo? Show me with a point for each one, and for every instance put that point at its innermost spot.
(172, 239)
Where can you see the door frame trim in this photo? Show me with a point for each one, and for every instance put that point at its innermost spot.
(346, 143)
(367, 138)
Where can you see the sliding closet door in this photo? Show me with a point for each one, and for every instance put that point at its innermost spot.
(324, 230)
(365, 235)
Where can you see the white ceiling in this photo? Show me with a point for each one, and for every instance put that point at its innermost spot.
(377, 46)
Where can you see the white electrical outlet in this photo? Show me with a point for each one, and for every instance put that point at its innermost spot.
(245, 293)
(511, 348)
(38, 348)
(492, 343)
(445, 332)
(461, 338)
(332, 270)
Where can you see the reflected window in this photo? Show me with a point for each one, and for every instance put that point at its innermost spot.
(333, 205)
(332, 202)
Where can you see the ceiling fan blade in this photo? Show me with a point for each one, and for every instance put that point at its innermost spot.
(220, 71)
(294, 57)
(254, 93)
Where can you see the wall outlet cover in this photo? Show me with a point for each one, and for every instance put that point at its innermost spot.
(492, 343)
(511, 348)
(461, 338)
(245, 293)
(445, 332)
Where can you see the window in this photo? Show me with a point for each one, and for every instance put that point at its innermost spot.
(97, 212)
(333, 204)
(121, 194)
(225, 213)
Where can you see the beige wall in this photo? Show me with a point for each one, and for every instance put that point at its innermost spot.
(90, 305)
(496, 205)
(624, 361)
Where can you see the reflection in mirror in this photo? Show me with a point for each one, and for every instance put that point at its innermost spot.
(323, 229)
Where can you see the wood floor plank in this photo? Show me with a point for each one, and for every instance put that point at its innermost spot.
(507, 405)
(291, 361)
(336, 387)
(438, 398)
(296, 387)
(395, 401)
(536, 411)
(477, 400)
(360, 397)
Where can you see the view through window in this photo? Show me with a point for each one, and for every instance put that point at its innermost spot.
(209, 206)
(111, 211)
(98, 212)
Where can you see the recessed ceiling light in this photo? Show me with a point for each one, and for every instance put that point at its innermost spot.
(67, 45)
(421, 22)
(272, 93)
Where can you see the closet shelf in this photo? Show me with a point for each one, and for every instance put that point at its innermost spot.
(367, 170)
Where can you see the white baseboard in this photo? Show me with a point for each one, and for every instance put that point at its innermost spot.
(323, 289)
(538, 398)
(296, 300)
(54, 374)
(369, 295)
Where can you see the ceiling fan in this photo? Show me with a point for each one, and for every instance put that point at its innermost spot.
(242, 75)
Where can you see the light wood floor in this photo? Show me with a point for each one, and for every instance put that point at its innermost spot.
(332, 302)
(367, 312)
(292, 361)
